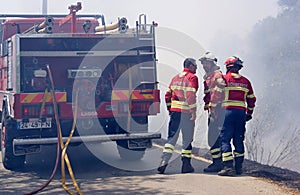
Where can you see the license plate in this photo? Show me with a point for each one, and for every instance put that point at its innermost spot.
(34, 124)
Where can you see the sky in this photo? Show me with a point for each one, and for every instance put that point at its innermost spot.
(201, 19)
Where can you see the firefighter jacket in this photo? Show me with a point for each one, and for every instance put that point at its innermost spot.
(181, 94)
(238, 92)
(214, 84)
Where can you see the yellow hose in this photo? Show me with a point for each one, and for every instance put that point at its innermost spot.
(43, 102)
(62, 145)
(64, 156)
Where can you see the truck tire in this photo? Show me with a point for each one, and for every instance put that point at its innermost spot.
(9, 160)
(129, 154)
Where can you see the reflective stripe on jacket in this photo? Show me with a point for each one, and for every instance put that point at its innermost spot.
(238, 93)
(181, 94)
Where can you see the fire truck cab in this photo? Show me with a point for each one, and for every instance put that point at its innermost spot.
(104, 73)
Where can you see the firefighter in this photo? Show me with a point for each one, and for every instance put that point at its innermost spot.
(214, 85)
(239, 103)
(181, 103)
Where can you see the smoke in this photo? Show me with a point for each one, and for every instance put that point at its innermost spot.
(273, 50)
(271, 57)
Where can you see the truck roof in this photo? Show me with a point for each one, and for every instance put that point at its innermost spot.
(13, 26)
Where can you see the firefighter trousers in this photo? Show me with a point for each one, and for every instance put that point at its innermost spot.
(215, 123)
(233, 129)
(179, 121)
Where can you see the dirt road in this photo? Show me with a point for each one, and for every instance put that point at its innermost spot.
(117, 177)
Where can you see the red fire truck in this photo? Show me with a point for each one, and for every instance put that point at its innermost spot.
(106, 73)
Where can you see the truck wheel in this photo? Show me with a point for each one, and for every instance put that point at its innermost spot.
(129, 154)
(9, 160)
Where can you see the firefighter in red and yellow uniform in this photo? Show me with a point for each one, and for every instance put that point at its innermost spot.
(239, 103)
(214, 85)
(181, 104)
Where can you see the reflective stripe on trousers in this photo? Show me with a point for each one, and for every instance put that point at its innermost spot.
(233, 129)
(179, 121)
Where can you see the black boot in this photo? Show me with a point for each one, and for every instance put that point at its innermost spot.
(238, 169)
(186, 166)
(215, 167)
(227, 171)
(162, 166)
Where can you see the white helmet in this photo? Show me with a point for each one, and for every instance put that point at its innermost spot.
(209, 57)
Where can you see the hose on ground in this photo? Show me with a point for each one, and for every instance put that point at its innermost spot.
(60, 145)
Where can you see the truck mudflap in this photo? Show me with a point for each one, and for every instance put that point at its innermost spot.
(133, 139)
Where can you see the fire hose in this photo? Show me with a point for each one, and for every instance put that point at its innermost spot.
(64, 156)
(60, 145)
(44, 27)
